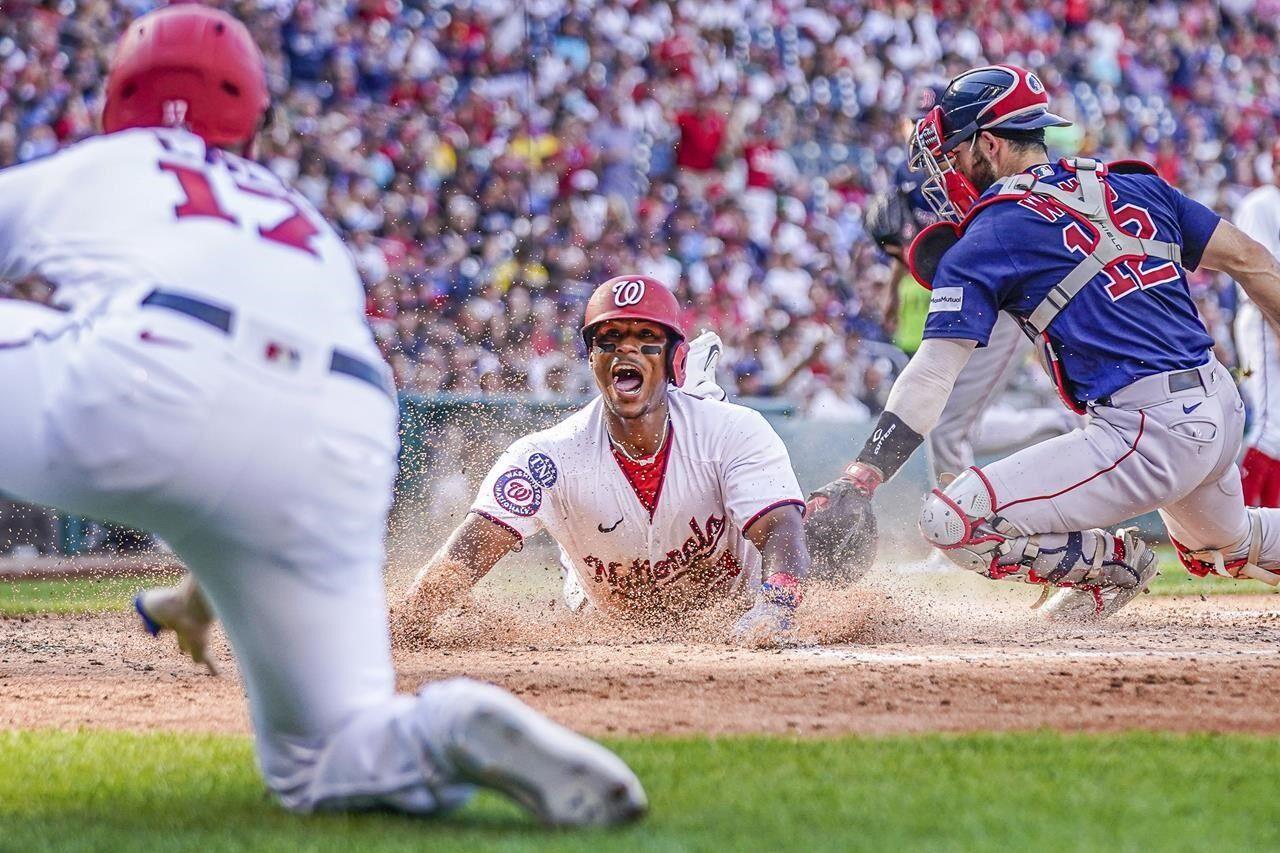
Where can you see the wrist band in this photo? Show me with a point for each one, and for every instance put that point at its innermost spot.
(891, 443)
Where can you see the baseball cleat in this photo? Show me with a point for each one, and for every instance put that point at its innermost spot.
(700, 367)
(1095, 602)
(562, 778)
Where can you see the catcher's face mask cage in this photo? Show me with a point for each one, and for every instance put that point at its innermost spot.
(948, 192)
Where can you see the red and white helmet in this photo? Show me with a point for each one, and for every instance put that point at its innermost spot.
(999, 98)
(640, 297)
(188, 66)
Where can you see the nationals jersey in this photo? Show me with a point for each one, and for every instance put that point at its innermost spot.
(726, 468)
(181, 225)
(1132, 320)
(1256, 345)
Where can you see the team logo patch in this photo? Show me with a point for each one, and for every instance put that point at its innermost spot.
(517, 493)
(543, 470)
(1034, 84)
(627, 293)
(946, 299)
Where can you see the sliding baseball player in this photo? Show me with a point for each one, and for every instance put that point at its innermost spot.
(662, 500)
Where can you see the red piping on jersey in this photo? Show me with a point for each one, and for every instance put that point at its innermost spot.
(770, 508)
(504, 526)
(1142, 424)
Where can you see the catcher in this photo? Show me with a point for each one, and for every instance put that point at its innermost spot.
(662, 499)
(1090, 259)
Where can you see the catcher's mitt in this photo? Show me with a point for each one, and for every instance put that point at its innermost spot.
(886, 219)
(840, 529)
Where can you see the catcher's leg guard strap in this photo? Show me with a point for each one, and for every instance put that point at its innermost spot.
(1239, 561)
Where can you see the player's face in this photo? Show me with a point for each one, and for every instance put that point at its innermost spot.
(629, 361)
(974, 164)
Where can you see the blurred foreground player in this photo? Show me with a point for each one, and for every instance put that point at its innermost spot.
(216, 384)
(662, 500)
(1258, 349)
(1090, 260)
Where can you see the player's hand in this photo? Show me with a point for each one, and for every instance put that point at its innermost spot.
(840, 526)
(771, 619)
(172, 609)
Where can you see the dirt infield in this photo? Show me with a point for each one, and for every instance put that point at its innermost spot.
(892, 662)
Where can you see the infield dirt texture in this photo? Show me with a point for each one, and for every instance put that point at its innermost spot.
(902, 654)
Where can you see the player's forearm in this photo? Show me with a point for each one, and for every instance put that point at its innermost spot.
(473, 549)
(1247, 261)
(779, 537)
(442, 584)
(915, 403)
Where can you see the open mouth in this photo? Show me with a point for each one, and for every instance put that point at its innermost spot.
(627, 380)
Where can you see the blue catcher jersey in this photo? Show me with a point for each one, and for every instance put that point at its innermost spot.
(1132, 320)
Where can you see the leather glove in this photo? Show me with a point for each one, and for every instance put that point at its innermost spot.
(840, 526)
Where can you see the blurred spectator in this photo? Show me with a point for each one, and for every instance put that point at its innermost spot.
(491, 161)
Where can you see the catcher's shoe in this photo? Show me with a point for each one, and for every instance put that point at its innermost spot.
(564, 779)
(1090, 602)
(700, 367)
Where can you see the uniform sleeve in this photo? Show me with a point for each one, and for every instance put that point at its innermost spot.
(969, 285)
(757, 473)
(514, 494)
(1197, 224)
(21, 189)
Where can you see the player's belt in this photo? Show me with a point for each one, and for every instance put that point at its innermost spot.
(221, 318)
(1182, 380)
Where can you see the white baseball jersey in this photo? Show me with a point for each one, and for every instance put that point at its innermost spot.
(196, 220)
(1256, 343)
(726, 469)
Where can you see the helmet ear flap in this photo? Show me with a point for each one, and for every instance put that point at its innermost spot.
(677, 359)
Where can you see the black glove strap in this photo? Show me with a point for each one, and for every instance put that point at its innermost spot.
(891, 443)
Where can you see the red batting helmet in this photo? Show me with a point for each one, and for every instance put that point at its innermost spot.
(188, 66)
(639, 297)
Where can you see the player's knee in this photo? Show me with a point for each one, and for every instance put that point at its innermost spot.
(955, 521)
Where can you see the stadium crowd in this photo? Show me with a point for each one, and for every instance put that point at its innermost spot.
(490, 160)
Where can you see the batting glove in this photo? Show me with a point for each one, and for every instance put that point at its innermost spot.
(180, 609)
(772, 617)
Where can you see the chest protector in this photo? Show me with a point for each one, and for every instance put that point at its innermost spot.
(1090, 205)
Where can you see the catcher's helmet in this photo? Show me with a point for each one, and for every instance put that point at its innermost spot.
(995, 98)
(640, 297)
(188, 66)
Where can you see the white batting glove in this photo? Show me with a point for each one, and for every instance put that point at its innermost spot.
(771, 619)
(183, 610)
(700, 367)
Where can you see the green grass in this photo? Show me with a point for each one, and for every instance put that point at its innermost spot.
(77, 595)
(95, 791)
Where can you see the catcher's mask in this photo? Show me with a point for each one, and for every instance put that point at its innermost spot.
(996, 98)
